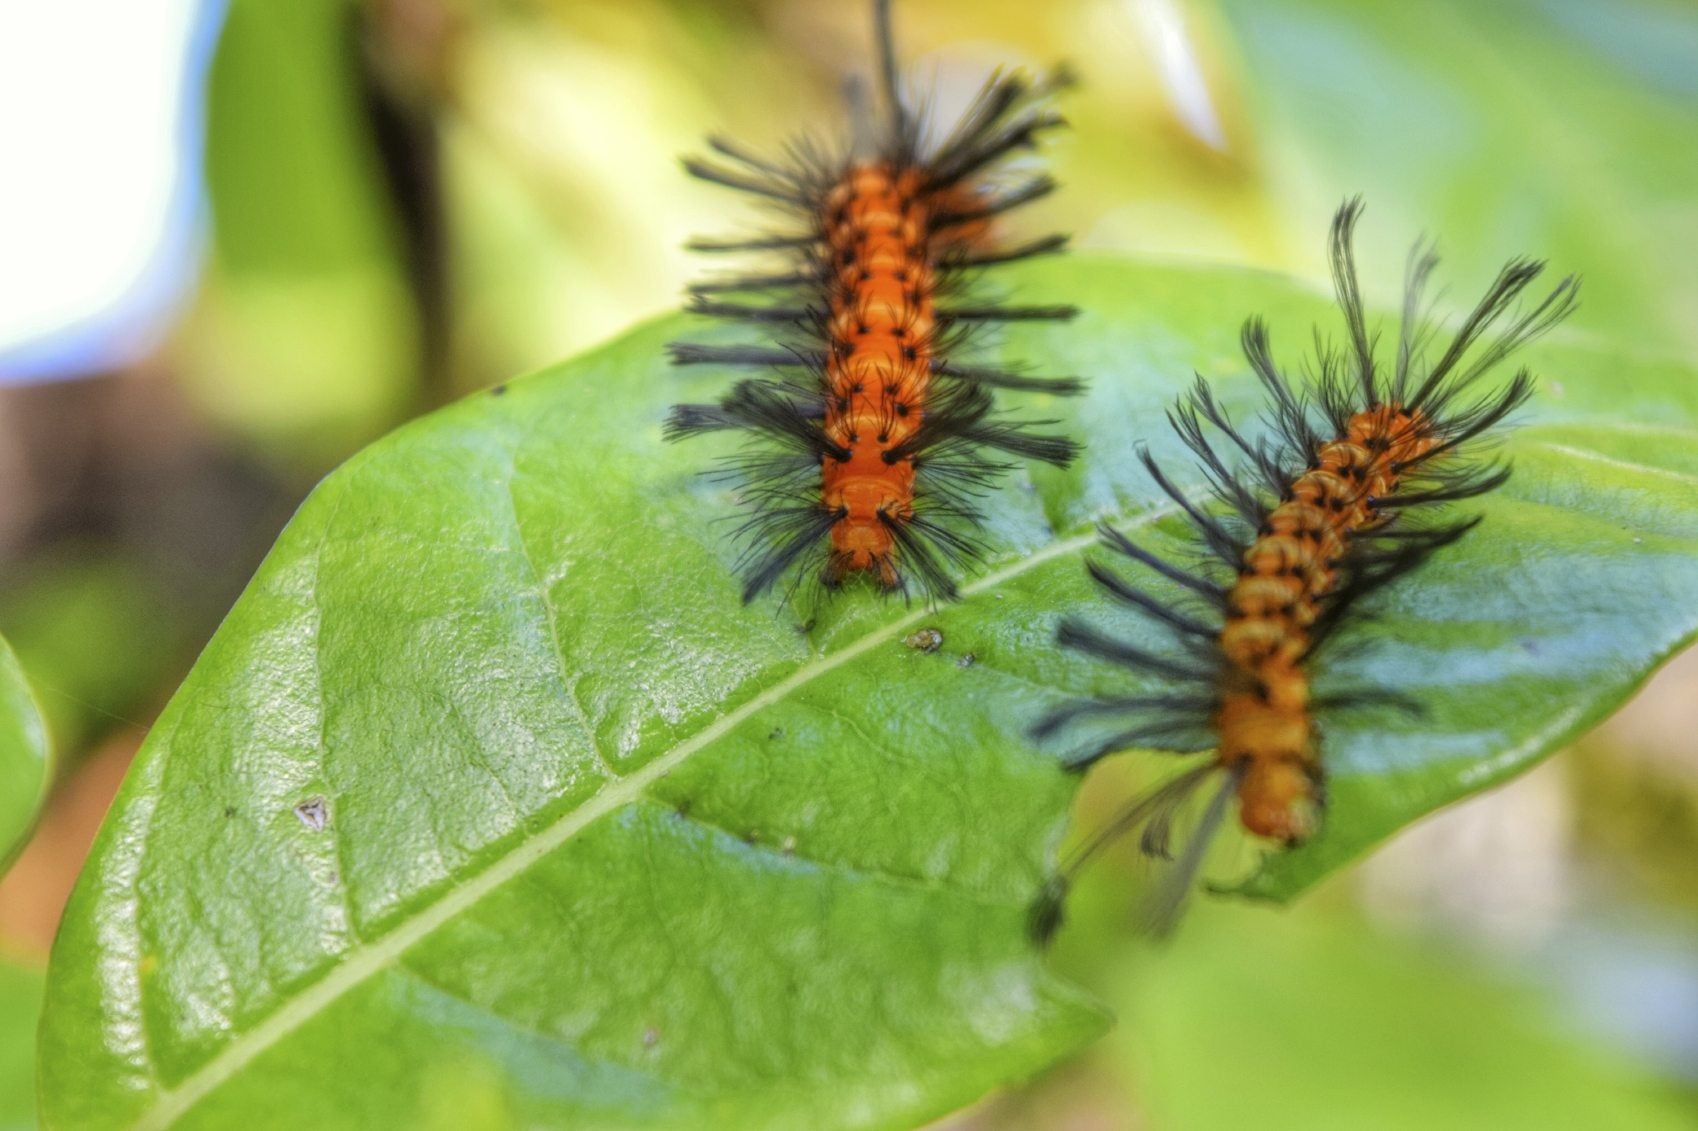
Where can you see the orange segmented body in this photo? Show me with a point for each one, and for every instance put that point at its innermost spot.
(879, 369)
(1264, 720)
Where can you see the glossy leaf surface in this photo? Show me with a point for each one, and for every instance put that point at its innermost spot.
(490, 796)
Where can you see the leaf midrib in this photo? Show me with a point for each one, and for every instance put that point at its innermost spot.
(370, 957)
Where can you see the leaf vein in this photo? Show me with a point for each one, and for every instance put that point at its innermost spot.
(567, 687)
(377, 954)
(796, 855)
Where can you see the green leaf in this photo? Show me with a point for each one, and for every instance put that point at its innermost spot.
(20, 1005)
(25, 756)
(488, 787)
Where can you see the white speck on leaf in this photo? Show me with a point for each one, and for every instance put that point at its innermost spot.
(313, 814)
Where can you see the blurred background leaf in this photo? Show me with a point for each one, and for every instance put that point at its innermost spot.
(92, 639)
(1542, 124)
(26, 758)
(304, 339)
(20, 1002)
(1320, 1019)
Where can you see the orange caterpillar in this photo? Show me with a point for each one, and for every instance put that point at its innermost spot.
(1266, 733)
(870, 437)
(1326, 507)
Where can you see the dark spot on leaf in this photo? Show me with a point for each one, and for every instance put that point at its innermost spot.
(229, 811)
(313, 814)
(965, 660)
(925, 640)
(775, 734)
(498, 391)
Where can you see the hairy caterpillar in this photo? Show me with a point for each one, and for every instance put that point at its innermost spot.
(870, 438)
(1325, 509)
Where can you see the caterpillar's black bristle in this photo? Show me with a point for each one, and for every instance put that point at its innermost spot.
(690, 353)
(1004, 379)
(1009, 313)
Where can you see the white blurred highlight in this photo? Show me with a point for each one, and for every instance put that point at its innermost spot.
(1162, 24)
(101, 167)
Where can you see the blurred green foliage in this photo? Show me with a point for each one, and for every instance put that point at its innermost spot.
(303, 340)
(26, 761)
(96, 638)
(20, 1003)
(1557, 127)
(1317, 1020)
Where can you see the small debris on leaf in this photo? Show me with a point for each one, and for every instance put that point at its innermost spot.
(925, 640)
